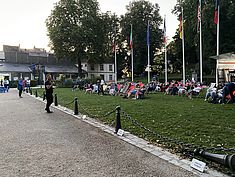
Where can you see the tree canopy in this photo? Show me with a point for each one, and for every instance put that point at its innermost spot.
(209, 32)
(79, 31)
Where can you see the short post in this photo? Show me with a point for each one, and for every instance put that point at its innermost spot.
(76, 106)
(36, 93)
(56, 101)
(27, 91)
(118, 119)
(227, 160)
(30, 91)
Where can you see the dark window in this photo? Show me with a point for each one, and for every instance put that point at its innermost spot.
(101, 67)
(110, 67)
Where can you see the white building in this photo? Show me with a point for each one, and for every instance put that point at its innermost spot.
(105, 71)
(226, 67)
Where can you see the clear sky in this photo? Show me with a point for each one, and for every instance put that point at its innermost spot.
(23, 21)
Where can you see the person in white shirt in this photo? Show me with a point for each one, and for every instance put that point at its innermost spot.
(6, 84)
(28, 84)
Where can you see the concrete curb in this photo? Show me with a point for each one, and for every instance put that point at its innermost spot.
(140, 143)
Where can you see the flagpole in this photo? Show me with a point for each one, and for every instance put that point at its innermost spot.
(165, 41)
(200, 41)
(148, 54)
(132, 59)
(115, 56)
(183, 46)
(217, 50)
(115, 60)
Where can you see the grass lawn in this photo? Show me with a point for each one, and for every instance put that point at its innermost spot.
(190, 121)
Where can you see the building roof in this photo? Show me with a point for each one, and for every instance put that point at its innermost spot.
(11, 67)
(61, 69)
(26, 68)
(224, 56)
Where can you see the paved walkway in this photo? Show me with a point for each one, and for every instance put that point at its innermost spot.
(34, 143)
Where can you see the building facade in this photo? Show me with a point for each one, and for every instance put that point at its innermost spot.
(105, 71)
(225, 67)
(35, 63)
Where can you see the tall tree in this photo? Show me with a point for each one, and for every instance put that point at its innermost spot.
(227, 27)
(73, 29)
(138, 14)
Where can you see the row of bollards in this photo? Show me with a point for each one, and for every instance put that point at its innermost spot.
(118, 109)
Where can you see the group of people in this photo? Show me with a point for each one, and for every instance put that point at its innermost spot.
(5, 84)
(127, 89)
(176, 88)
(23, 85)
(224, 95)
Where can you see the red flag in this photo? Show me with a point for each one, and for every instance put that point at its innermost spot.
(216, 11)
(131, 42)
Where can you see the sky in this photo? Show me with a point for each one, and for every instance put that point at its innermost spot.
(23, 21)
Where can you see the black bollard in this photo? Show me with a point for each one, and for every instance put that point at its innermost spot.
(227, 160)
(76, 106)
(118, 120)
(56, 101)
(36, 93)
(44, 96)
(30, 91)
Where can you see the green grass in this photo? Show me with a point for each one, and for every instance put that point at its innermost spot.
(190, 121)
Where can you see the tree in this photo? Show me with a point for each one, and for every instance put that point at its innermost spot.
(138, 14)
(74, 30)
(227, 27)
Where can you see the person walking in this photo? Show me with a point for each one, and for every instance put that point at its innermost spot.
(20, 87)
(28, 84)
(6, 84)
(49, 92)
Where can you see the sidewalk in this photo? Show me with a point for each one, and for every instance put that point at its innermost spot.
(34, 143)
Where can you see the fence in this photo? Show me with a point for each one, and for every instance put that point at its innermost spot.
(187, 149)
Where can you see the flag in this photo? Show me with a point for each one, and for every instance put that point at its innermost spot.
(148, 43)
(198, 15)
(131, 42)
(180, 28)
(164, 31)
(216, 12)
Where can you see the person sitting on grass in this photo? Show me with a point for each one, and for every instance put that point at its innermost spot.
(228, 93)
(89, 88)
(194, 90)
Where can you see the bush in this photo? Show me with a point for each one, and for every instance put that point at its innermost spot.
(13, 84)
(68, 83)
(33, 83)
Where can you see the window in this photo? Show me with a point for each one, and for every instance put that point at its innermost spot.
(101, 67)
(92, 76)
(110, 77)
(110, 67)
(92, 67)
(102, 76)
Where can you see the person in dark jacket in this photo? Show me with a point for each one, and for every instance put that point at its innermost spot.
(20, 87)
(49, 92)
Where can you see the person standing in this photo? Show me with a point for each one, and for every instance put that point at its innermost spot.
(20, 87)
(49, 93)
(6, 84)
(28, 84)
